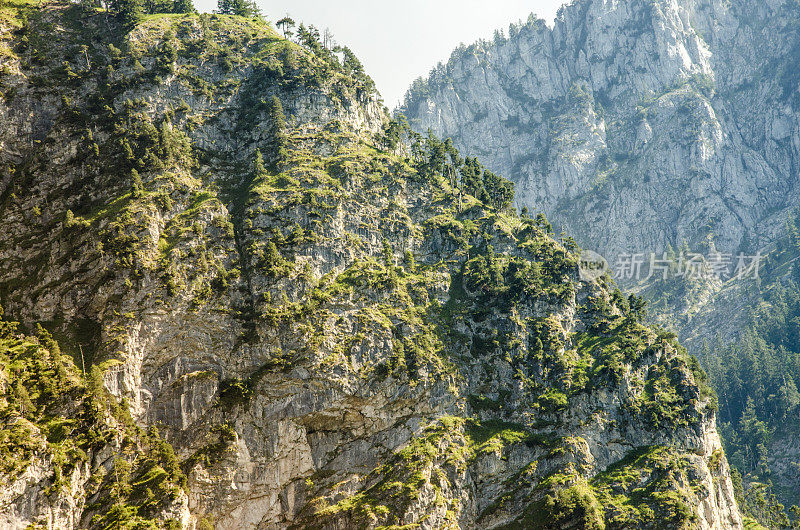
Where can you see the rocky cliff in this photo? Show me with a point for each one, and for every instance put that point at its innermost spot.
(638, 126)
(238, 311)
(635, 124)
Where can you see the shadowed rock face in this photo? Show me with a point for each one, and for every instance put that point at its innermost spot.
(634, 125)
(323, 336)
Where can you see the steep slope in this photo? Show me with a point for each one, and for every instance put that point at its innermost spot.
(326, 334)
(638, 124)
(72, 456)
(643, 125)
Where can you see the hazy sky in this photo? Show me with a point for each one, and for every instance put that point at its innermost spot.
(400, 40)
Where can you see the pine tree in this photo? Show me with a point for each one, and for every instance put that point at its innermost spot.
(543, 223)
(22, 399)
(156, 6)
(537, 348)
(388, 254)
(789, 397)
(795, 511)
(437, 152)
(410, 261)
(273, 262)
(453, 164)
(127, 12)
(391, 135)
(309, 37)
(152, 7)
(259, 171)
(494, 268)
(793, 232)
(286, 24)
(637, 307)
(137, 187)
(754, 433)
(471, 181)
(353, 67)
(499, 190)
(242, 8)
(183, 6)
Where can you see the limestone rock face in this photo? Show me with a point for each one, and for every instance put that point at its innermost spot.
(323, 336)
(634, 125)
(639, 125)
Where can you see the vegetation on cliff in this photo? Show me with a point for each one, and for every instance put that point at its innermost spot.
(245, 251)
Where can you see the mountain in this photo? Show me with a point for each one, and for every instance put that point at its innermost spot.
(236, 295)
(660, 128)
(635, 125)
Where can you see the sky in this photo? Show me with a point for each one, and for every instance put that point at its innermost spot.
(399, 41)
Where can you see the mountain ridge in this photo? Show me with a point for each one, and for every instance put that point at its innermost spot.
(574, 113)
(296, 315)
(664, 130)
